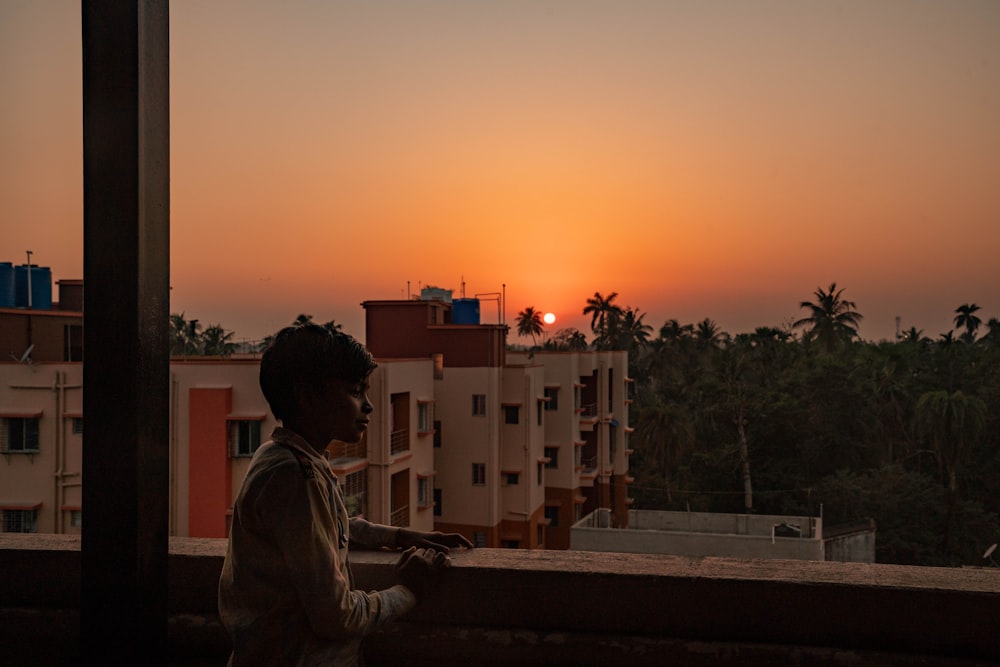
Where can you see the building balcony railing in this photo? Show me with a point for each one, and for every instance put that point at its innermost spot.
(584, 608)
(400, 517)
(399, 441)
(348, 450)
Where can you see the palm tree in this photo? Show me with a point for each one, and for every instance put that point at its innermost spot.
(567, 339)
(185, 335)
(913, 335)
(605, 318)
(951, 423)
(832, 321)
(633, 333)
(665, 432)
(965, 318)
(992, 337)
(529, 323)
(217, 342)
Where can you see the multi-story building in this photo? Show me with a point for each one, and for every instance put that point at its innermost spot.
(585, 404)
(525, 442)
(506, 448)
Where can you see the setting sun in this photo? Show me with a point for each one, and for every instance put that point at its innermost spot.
(549, 318)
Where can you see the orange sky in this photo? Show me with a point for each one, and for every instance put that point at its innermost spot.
(702, 159)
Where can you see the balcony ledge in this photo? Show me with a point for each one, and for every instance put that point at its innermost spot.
(570, 607)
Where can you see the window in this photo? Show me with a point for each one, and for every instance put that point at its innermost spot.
(437, 502)
(19, 521)
(511, 544)
(424, 417)
(478, 474)
(552, 514)
(541, 473)
(424, 492)
(552, 393)
(479, 538)
(540, 535)
(76, 518)
(511, 414)
(552, 454)
(245, 437)
(511, 478)
(541, 411)
(77, 425)
(479, 405)
(437, 432)
(19, 435)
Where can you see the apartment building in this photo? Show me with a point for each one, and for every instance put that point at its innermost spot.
(218, 418)
(585, 399)
(507, 448)
(525, 444)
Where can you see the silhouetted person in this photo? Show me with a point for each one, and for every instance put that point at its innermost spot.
(286, 594)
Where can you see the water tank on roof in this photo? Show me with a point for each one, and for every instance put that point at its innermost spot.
(41, 287)
(7, 285)
(465, 311)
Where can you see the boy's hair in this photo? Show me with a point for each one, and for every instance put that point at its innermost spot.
(308, 357)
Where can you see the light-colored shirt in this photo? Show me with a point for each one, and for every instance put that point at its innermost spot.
(286, 594)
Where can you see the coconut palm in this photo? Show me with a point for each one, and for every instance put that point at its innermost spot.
(605, 318)
(185, 335)
(567, 339)
(950, 422)
(529, 323)
(633, 333)
(964, 318)
(665, 433)
(833, 320)
(216, 341)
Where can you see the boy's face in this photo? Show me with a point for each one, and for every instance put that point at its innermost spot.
(340, 412)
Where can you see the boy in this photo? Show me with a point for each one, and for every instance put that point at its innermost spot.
(286, 594)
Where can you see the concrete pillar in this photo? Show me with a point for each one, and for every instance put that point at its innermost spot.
(126, 191)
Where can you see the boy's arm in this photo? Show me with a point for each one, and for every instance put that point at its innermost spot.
(367, 535)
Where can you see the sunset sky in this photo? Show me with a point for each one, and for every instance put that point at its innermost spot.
(702, 158)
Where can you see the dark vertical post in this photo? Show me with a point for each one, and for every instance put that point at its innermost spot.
(126, 193)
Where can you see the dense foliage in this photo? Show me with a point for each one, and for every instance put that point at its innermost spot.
(809, 419)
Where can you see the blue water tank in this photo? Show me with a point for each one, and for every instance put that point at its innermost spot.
(41, 287)
(465, 311)
(7, 285)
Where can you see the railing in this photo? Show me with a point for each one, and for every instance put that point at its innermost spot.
(399, 441)
(400, 517)
(349, 450)
(589, 410)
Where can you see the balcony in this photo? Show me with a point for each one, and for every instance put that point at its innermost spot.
(567, 608)
(400, 517)
(399, 441)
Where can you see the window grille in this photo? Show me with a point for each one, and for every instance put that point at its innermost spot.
(245, 436)
(19, 435)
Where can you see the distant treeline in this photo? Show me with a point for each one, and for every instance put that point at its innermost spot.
(809, 419)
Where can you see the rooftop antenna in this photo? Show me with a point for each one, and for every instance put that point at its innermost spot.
(989, 555)
(26, 359)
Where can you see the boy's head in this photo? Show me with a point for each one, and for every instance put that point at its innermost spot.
(304, 359)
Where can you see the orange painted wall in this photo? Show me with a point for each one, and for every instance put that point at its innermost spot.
(210, 485)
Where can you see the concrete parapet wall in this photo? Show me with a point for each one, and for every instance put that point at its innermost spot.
(499, 606)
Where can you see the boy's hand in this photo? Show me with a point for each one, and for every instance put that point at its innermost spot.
(417, 568)
(406, 538)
